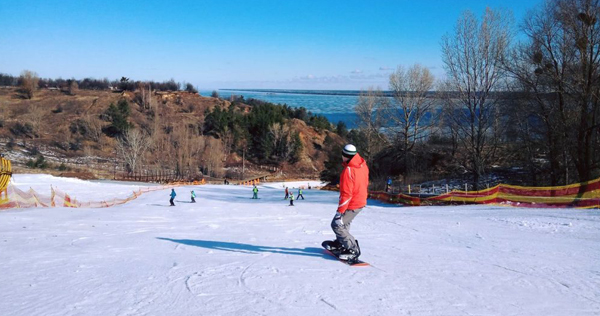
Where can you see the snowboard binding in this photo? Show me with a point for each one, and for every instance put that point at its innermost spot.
(336, 248)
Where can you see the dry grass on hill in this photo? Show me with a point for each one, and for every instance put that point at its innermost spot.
(52, 122)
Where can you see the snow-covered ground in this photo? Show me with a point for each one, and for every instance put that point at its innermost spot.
(231, 255)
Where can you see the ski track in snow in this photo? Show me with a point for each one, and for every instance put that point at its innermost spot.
(230, 255)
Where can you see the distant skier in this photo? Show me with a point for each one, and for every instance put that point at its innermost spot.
(173, 195)
(193, 196)
(291, 199)
(300, 194)
(287, 193)
(255, 191)
(388, 185)
(354, 182)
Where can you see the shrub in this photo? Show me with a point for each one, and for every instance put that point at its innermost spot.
(58, 109)
(11, 144)
(20, 129)
(60, 145)
(190, 88)
(40, 163)
(34, 151)
(75, 146)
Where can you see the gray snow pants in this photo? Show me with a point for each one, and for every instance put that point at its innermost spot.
(341, 227)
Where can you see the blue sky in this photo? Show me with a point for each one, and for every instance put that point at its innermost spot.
(326, 44)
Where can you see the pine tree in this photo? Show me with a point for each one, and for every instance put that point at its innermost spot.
(117, 115)
(297, 148)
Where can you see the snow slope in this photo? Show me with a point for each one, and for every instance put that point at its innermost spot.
(230, 255)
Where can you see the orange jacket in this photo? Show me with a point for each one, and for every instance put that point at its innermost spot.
(354, 182)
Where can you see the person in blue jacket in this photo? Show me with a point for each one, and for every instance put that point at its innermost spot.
(173, 195)
(193, 196)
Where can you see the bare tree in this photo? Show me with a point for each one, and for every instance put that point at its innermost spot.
(72, 86)
(131, 147)
(148, 101)
(181, 139)
(580, 19)
(156, 132)
(370, 111)
(4, 112)
(214, 157)
(93, 125)
(410, 107)
(280, 137)
(472, 58)
(29, 82)
(227, 138)
(197, 146)
(559, 69)
(87, 151)
(36, 117)
(161, 150)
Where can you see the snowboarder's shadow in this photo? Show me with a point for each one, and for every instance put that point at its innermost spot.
(247, 248)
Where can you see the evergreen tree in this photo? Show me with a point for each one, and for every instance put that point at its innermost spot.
(216, 122)
(341, 129)
(262, 117)
(319, 122)
(117, 115)
(333, 164)
(297, 148)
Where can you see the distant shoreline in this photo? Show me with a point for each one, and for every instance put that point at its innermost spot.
(354, 93)
(358, 93)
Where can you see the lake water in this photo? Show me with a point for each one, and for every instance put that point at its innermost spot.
(335, 107)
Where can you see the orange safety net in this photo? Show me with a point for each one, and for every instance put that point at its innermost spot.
(250, 182)
(580, 195)
(17, 198)
(395, 198)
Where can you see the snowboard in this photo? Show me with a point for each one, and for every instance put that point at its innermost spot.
(354, 262)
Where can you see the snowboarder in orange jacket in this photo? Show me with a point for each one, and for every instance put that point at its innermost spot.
(354, 182)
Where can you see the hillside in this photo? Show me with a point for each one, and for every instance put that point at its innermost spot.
(71, 130)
